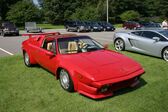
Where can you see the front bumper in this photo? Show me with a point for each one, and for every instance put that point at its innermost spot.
(93, 91)
(11, 32)
(110, 29)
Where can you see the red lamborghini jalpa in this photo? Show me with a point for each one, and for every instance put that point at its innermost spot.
(81, 64)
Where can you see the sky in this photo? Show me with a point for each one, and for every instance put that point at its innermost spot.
(35, 1)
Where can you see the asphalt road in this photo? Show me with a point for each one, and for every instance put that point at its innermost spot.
(11, 45)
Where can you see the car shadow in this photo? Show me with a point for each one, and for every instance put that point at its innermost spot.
(115, 93)
(144, 54)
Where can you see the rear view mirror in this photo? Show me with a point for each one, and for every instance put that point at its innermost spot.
(156, 39)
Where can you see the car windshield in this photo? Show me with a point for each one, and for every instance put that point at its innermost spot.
(80, 23)
(165, 33)
(95, 24)
(77, 45)
(10, 25)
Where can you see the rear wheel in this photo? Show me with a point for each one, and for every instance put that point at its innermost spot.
(66, 81)
(119, 45)
(165, 54)
(27, 59)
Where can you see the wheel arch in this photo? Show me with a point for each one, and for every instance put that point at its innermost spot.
(163, 50)
(70, 72)
(32, 60)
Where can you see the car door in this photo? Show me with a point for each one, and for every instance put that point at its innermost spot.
(147, 44)
(47, 55)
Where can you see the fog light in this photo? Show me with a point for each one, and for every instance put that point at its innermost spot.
(104, 88)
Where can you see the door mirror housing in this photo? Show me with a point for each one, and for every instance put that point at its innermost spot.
(156, 39)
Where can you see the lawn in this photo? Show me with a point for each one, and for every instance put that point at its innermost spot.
(34, 89)
(46, 26)
(50, 26)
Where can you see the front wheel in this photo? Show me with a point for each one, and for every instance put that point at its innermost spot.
(119, 45)
(165, 54)
(66, 81)
(27, 59)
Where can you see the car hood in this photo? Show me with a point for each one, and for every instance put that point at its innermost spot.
(103, 64)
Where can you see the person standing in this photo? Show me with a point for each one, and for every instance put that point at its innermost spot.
(165, 24)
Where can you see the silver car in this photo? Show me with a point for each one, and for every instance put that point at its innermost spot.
(151, 42)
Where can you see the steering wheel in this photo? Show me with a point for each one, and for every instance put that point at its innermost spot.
(86, 46)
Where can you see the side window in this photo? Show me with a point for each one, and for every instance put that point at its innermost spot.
(138, 33)
(150, 35)
(50, 45)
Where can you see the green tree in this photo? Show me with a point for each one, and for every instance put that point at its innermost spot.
(130, 15)
(23, 11)
(5, 6)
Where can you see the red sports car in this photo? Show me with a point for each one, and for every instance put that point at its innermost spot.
(81, 64)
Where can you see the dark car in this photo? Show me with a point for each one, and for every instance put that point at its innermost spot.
(94, 26)
(106, 26)
(131, 25)
(149, 26)
(78, 26)
(8, 28)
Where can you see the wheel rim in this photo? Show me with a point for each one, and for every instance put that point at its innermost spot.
(64, 78)
(119, 44)
(165, 54)
(26, 59)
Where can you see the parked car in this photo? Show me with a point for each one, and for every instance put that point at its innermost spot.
(149, 26)
(78, 26)
(31, 27)
(106, 26)
(8, 28)
(81, 64)
(151, 42)
(131, 25)
(94, 26)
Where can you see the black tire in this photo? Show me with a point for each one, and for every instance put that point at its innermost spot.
(165, 54)
(119, 44)
(17, 34)
(26, 59)
(66, 81)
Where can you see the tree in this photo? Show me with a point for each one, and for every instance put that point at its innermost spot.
(130, 15)
(5, 6)
(23, 11)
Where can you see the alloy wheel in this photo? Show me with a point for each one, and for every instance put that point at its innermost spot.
(119, 45)
(165, 54)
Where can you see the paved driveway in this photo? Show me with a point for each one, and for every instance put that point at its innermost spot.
(10, 45)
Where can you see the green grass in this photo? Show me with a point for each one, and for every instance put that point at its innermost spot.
(118, 25)
(50, 26)
(46, 26)
(34, 89)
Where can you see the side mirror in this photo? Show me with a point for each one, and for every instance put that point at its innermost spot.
(50, 54)
(105, 46)
(156, 39)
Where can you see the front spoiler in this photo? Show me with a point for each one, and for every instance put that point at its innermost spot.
(92, 91)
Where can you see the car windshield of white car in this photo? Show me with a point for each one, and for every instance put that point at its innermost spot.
(78, 44)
